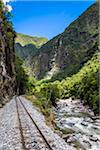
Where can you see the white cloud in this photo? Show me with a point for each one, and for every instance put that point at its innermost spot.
(9, 7)
(5, 1)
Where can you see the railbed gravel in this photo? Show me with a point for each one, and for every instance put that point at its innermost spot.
(55, 140)
(10, 138)
(32, 138)
(9, 129)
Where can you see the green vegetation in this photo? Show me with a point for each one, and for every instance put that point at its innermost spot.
(26, 39)
(24, 52)
(82, 85)
(74, 53)
(66, 53)
(28, 46)
(21, 77)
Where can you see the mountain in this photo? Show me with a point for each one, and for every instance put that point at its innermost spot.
(25, 51)
(27, 45)
(66, 53)
(26, 39)
(83, 85)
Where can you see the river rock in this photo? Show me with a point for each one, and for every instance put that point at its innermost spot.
(78, 126)
(66, 136)
(0, 105)
(96, 117)
(70, 124)
(71, 140)
(95, 139)
(87, 144)
(84, 123)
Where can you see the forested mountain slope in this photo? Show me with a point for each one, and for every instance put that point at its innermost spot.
(25, 51)
(26, 39)
(66, 53)
(82, 85)
(26, 46)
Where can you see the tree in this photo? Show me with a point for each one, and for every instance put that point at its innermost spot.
(21, 77)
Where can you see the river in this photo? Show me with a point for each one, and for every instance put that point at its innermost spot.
(77, 124)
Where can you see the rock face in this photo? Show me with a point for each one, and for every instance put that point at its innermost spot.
(7, 58)
(66, 53)
(25, 51)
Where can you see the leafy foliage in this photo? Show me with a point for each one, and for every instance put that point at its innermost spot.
(82, 85)
(21, 76)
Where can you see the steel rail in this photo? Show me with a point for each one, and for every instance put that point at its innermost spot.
(43, 137)
(20, 127)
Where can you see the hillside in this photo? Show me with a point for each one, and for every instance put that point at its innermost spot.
(82, 85)
(25, 51)
(26, 39)
(66, 53)
(26, 46)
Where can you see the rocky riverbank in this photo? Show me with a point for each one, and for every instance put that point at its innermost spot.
(77, 124)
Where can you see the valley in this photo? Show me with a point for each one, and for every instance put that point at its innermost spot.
(49, 95)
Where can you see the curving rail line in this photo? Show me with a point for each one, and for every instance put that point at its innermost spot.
(21, 129)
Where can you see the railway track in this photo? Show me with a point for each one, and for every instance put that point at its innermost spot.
(20, 106)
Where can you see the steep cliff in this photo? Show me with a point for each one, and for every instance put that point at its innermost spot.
(7, 56)
(66, 53)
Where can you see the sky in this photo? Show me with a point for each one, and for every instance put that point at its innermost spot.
(46, 18)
